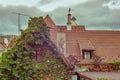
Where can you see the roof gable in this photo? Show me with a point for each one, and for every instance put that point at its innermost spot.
(49, 21)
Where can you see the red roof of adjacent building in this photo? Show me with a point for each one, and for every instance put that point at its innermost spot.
(100, 75)
(3, 46)
(12, 41)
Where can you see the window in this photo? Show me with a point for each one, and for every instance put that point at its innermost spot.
(87, 54)
(38, 54)
(61, 38)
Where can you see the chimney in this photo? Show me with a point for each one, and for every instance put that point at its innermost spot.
(69, 26)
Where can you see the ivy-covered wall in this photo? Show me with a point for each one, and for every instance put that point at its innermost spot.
(33, 56)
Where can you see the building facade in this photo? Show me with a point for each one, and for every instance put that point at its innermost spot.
(85, 46)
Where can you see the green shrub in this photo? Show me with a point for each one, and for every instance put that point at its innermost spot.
(102, 79)
(116, 64)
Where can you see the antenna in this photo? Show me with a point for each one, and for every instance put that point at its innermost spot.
(69, 10)
(19, 15)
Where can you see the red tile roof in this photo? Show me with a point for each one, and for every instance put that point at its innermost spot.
(105, 43)
(85, 44)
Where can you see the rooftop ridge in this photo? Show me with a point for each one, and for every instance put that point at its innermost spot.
(104, 30)
(72, 25)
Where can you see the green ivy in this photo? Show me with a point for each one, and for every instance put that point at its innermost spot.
(102, 79)
(19, 62)
(117, 65)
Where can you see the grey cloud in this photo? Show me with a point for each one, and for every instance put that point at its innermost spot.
(45, 2)
(112, 4)
(9, 20)
(92, 14)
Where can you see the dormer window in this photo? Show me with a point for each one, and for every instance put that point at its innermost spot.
(86, 48)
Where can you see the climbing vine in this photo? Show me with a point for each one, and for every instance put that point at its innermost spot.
(20, 62)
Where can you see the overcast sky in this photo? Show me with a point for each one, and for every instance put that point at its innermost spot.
(94, 14)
